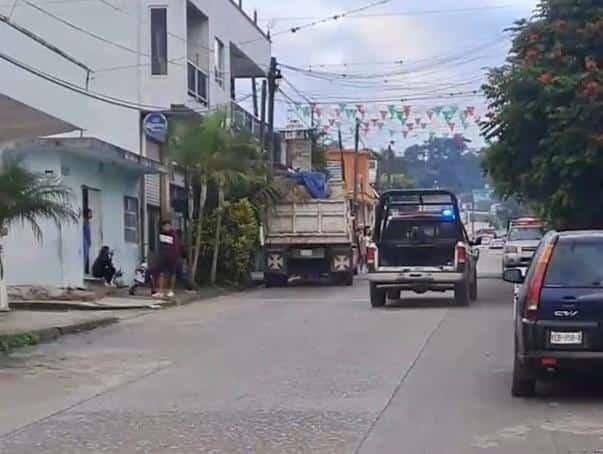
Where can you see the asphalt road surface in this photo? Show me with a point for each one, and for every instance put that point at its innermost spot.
(296, 370)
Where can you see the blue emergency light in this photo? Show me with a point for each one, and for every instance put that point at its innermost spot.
(448, 213)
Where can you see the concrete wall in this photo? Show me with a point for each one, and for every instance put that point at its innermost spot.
(58, 259)
(121, 62)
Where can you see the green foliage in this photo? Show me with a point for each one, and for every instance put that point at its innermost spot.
(26, 197)
(545, 120)
(239, 242)
(8, 343)
(444, 162)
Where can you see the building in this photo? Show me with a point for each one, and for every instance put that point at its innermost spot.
(365, 180)
(92, 72)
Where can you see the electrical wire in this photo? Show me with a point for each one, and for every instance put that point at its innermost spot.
(127, 104)
(323, 20)
(401, 13)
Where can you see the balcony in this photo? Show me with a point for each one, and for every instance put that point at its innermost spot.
(197, 83)
(246, 122)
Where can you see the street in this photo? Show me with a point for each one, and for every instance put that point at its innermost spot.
(308, 369)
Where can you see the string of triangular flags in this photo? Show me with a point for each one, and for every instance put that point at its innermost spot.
(389, 119)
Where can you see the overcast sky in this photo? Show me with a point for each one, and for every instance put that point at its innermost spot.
(471, 38)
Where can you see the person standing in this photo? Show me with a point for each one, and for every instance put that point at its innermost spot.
(87, 238)
(168, 260)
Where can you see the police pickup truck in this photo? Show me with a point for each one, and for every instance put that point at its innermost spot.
(420, 244)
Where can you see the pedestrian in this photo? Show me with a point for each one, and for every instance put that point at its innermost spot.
(103, 266)
(87, 238)
(362, 251)
(168, 259)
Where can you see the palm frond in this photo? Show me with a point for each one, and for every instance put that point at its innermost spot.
(26, 197)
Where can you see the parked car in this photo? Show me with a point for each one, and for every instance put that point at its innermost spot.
(558, 308)
(420, 244)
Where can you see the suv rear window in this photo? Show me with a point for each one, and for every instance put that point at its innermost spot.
(526, 234)
(419, 231)
(576, 263)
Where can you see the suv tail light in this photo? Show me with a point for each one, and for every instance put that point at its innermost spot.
(371, 254)
(461, 254)
(537, 282)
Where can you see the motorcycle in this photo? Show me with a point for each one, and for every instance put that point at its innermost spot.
(142, 278)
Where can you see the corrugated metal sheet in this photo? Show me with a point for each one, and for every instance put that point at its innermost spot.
(151, 190)
(334, 168)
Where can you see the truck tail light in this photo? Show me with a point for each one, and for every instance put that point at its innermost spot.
(461, 254)
(537, 282)
(371, 254)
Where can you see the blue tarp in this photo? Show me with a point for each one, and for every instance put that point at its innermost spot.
(315, 182)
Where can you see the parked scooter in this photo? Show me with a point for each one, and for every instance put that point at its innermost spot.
(142, 278)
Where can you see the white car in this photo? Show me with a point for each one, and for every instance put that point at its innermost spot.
(497, 243)
(521, 244)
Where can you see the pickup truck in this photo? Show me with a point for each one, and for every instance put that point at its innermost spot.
(420, 244)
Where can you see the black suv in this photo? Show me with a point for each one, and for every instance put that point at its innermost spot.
(559, 308)
(420, 244)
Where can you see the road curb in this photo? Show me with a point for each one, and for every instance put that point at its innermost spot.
(9, 342)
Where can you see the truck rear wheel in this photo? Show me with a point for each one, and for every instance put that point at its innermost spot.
(473, 289)
(378, 296)
(349, 279)
(275, 280)
(461, 294)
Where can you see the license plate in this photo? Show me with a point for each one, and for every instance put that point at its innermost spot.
(305, 252)
(565, 338)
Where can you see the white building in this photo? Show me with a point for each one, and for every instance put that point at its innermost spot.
(97, 69)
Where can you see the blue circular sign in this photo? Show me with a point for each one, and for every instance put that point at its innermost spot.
(155, 126)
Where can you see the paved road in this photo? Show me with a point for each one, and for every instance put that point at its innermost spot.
(299, 370)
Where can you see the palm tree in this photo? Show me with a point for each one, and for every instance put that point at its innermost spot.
(25, 198)
(214, 153)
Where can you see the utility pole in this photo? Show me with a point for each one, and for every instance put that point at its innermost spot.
(356, 151)
(263, 118)
(341, 154)
(274, 75)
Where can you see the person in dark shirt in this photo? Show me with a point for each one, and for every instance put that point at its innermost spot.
(103, 266)
(168, 259)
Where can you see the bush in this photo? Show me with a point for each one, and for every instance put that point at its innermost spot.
(239, 241)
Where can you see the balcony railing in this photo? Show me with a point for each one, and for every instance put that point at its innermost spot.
(244, 121)
(197, 83)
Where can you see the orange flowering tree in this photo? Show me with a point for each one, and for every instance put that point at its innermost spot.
(545, 119)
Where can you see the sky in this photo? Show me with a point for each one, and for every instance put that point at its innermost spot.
(444, 47)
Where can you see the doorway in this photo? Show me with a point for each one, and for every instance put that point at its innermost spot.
(93, 225)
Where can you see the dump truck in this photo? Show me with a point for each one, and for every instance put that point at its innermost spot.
(310, 240)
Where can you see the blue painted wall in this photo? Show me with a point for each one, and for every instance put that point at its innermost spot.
(58, 259)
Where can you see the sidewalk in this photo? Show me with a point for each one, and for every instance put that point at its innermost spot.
(21, 328)
(33, 322)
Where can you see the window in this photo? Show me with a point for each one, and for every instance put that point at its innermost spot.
(131, 219)
(526, 234)
(576, 263)
(159, 51)
(219, 62)
(419, 232)
(197, 83)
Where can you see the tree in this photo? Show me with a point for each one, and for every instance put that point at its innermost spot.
(439, 161)
(25, 198)
(212, 152)
(545, 117)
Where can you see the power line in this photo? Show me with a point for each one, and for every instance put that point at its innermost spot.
(84, 31)
(401, 13)
(76, 88)
(323, 20)
(43, 42)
